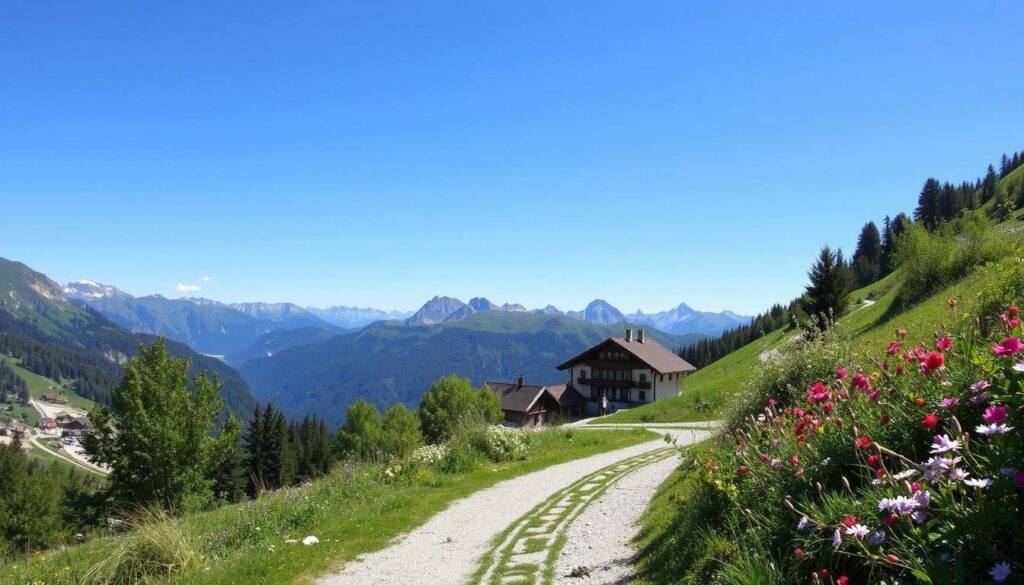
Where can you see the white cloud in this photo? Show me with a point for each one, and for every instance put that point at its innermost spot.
(182, 287)
(206, 278)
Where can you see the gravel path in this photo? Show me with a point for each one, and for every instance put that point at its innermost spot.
(600, 537)
(448, 548)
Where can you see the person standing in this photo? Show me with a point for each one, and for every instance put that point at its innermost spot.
(604, 405)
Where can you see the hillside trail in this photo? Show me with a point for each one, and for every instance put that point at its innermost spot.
(533, 513)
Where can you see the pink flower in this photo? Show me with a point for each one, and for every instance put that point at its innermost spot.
(817, 393)
(1008, 346)
(841, 373)
(794, 459)
(1018, 478)
(943, 343)
(894, 348)
(860, 381)
(994, 414)
(949, 402)
(932, 361)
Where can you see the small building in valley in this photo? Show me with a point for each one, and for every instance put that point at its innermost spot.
(628, 371)
(54, 399)
(530, 405)
(47, 424)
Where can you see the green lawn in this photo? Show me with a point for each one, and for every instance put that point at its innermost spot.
(350, 516)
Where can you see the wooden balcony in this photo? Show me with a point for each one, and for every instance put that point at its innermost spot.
(601, 383)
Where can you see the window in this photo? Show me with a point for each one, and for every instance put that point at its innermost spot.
(583, 373)
(643, 396)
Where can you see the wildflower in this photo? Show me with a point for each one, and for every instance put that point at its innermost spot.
(884, 420)
(943, 343)
(982, 483)
(958, 475)
(879, 473)
(1013, 312)
(994, 414)
(794, 459)
(775, 463)
(890, 519)
(1007, 347)
(873, 461)
(841, 373)
(860, 381)
(920, 516)
(1000, 571)
(802, 524)
(843, 580)
(817, 393)
(894, 348)
(930, 420)
(919, 401)
(837, 539)
(798, 553)
(741, 470)
(799, 472)
(858, 530)
(826, 461)
(943, 444)
(932, 361)
(949, 402)
(892, 558)
(905, 474)
(992, 429)
(980, 399)
(849, 520)
(980, 385)
(1018, 367)
(877, 537)
(863, 442)
(922, 498)
(952, 303)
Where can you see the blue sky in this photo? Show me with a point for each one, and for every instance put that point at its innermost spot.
(379, 153)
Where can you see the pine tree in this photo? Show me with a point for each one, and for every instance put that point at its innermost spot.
(988, 185)
(867, 259)
(928, 210)
(826, 294)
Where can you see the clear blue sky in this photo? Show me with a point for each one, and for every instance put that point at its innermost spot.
(379, 153)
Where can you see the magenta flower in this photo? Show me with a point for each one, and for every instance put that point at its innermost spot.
(980, 385)
(994, 414)
(949, 402)
(1007, 347)
(841, 373)
(943, 343)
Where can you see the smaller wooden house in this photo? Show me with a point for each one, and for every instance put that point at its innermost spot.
(530, 405)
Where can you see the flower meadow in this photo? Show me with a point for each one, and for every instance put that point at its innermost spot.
(901, 465)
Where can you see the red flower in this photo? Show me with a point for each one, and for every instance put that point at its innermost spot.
(841, 373)
(892, 558)
(828, 407)
(843, 580)
(798, 553)
(930, 420)
(1012, 323)
(741, 470)
(932, 361)
(1007, 347)
(879, 473)
(1014, 311)
(943, 343)
(952, 303)
(890, 519)
(884, 420)
(849, 521)
(874, 461)
(863, 442)
(915, 487)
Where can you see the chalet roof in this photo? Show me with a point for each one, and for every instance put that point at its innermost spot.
(648, 351)
(518, 398)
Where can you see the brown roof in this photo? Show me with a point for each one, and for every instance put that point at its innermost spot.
(520, 398)
(649, 352)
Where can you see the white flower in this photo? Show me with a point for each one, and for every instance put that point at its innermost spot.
(1000, 571)
(958, 475)
(992, 429)
(826, 461)
(979, 483)
(943, 444)
(858, 530)
(802, 524)
(837, 539)
(1019, 366)
(905, 474)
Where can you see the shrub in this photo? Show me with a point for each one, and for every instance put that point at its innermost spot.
(448, 407)
(401, 432)
(460, 457)
(156, 547)
(503, 444)
(428, 455)
(362, 436)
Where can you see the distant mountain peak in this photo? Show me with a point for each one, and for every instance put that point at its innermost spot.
(91, 290)
(602, 312)
(436, 310)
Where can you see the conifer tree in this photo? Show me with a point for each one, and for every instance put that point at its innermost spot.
(928, 210)
(867, 259)
(826, 294)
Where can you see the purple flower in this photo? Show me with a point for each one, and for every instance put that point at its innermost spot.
(949, 402)
(943, 444)
(1000, 571)
(802, 524)
(922, 498)
(980, 385)
(837, 539)
(920, 516)
(980, 399)
(877, 537)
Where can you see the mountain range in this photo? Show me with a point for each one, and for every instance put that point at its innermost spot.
(63, 340)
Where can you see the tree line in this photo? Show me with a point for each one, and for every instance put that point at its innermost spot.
(12, 385)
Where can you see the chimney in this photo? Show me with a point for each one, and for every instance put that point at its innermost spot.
(519, 382)
(629, 335)
(640, 335)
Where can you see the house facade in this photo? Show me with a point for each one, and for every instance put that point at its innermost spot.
(530, 405)
(629, 371)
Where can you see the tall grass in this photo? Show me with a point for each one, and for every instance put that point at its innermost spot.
(155, 546)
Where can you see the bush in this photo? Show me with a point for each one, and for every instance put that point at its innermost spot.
(460, 457)
(449, 406)
(499, 443)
